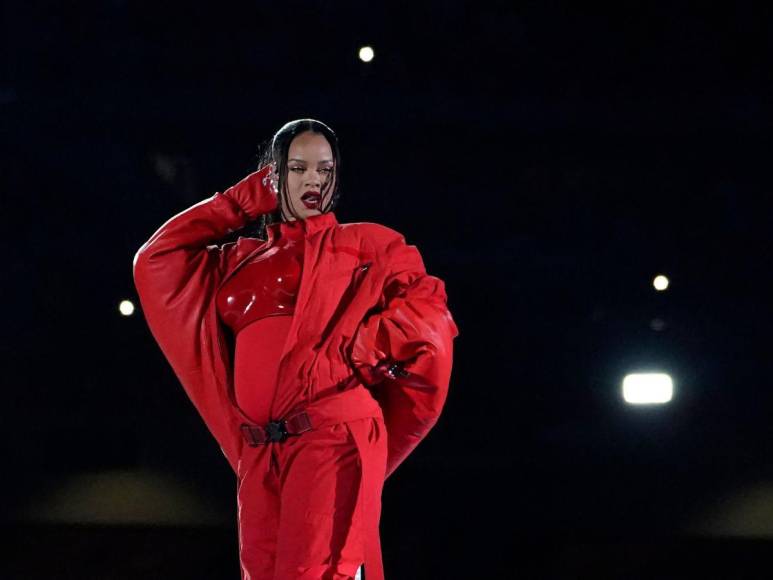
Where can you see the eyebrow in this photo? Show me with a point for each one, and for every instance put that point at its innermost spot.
(304, 161)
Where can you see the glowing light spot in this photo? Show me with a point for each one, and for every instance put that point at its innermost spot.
(660, 283)
(281, 305)
(366, 54)
(647, 388)
(126, 307)
(279, 279)
(658, 324)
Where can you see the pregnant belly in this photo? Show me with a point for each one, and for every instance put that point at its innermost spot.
(256, 363)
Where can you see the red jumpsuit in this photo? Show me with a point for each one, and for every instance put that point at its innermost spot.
(308, 503)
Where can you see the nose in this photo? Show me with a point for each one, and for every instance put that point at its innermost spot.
(313, 178)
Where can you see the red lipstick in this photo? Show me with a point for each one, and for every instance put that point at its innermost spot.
(311, 199)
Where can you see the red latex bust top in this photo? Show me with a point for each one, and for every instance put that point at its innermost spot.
(267, 285)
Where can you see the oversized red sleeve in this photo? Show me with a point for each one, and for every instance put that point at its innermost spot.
(176, 273)
(411, 326)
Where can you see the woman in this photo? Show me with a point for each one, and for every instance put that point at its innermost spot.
(302, 353)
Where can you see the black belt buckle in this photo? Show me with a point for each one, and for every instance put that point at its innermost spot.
(276, 431)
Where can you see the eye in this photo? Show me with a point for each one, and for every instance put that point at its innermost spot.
(297, 169)
(327, 170)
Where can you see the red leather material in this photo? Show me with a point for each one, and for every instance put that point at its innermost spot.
(350, 404)
(267, 285)
(364, 302)
(365, 298)
(176, 273)
(256, 365)
(314, 512)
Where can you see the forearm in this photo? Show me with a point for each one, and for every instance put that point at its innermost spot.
(404, 350)
(176, 270)
(212, 218)
(414, 329)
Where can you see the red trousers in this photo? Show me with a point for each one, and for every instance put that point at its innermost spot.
(309, 506)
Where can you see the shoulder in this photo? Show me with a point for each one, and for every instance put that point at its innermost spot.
(387, 244)
(371, 233)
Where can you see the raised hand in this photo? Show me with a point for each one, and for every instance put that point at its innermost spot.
(271, 179)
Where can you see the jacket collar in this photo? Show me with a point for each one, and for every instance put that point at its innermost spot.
(285, 229)
(309, 225)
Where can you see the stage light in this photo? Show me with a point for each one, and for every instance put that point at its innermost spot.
(126, 307)
(657, 324)
(366, 54)
(660, 283)
(647, 388)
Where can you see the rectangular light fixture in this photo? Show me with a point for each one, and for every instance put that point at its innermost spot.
(647, 388)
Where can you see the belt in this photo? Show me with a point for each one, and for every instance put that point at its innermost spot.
(349, 405)
(276, 431)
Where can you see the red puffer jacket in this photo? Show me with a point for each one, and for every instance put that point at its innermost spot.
(364, 302)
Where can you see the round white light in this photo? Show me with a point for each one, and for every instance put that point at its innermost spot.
(126, 307)
(660, 283)
(366, 54)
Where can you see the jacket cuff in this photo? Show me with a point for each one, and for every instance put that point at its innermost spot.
(253, 194)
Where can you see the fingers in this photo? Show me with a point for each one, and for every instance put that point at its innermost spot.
(274, 177)
(271, 180)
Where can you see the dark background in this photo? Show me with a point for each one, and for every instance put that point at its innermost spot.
(547, 158)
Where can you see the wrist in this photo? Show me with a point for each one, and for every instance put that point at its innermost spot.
(254, 193)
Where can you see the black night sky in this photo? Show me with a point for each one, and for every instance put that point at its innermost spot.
(548, 159)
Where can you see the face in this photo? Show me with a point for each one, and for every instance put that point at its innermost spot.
(310, 176)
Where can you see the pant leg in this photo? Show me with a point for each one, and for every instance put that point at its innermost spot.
(329, 512)
(258, 514)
